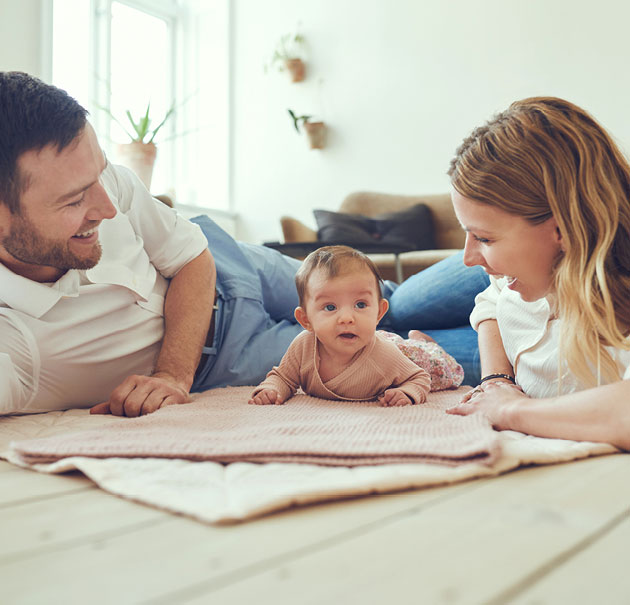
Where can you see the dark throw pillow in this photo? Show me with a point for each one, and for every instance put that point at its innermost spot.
(411, 228)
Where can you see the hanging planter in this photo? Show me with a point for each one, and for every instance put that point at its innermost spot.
(289, 55)
(316, 131)
(296, 68)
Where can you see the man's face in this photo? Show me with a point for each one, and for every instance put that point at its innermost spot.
(64, 202)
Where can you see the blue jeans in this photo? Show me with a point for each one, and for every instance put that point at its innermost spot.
(254, 322)
(439, 301)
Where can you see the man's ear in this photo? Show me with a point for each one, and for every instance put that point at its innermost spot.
(5, 219)
(300, 315)
(383, 305)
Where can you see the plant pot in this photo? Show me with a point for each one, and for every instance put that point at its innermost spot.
(139, 157)
(316, 132)
(296, 68)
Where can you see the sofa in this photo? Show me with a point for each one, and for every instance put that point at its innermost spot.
(448, 234)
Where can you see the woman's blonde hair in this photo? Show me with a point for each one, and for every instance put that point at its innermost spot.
(546, 157)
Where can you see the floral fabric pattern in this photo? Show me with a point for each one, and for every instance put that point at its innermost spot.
(445, 372)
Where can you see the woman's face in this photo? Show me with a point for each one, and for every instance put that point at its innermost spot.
(507, 245)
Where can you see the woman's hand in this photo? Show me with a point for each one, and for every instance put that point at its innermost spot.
(481, 388)
(494, 399)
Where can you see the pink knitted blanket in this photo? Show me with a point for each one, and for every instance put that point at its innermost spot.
(220, 426)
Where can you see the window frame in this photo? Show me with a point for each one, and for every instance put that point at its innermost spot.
(185, 40)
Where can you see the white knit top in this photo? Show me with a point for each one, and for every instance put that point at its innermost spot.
(530, 337)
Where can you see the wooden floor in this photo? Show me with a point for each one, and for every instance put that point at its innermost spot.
(556, 534)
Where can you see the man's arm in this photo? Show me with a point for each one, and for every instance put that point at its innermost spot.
(187, 314)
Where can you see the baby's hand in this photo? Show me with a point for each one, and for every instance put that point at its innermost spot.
(266, 397)
(392, 397)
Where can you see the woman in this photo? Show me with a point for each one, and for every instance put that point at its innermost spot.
(543, 193)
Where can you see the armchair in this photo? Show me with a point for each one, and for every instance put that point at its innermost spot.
(449, 236)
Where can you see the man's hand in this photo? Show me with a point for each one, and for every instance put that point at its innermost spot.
(139, 395)
(267, 397)
(394, 397)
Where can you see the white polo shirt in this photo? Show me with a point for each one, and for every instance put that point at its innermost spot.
(70, 343)
(530, 336)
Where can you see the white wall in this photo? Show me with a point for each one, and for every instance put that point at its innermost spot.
(21, 40)
(400, 83)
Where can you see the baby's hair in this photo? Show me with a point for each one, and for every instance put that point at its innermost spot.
(333, 260)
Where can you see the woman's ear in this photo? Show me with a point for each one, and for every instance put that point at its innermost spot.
(557, 233)
(300, 315)
(560, 240)
(383, 305)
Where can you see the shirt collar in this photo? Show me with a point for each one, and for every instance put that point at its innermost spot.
(31, 297)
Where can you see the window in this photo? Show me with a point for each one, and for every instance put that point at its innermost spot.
(116, 56)
(71, 51)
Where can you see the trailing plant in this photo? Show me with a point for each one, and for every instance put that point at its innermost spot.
(297, 119)
(290, 46)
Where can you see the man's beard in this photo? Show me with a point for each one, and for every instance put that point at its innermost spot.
(25, 244)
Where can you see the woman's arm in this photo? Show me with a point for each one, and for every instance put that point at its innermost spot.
(491, 352)
(492, 357)
(599, 414)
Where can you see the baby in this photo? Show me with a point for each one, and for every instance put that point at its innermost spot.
(340, 355)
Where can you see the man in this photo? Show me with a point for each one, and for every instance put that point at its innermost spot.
(107, 296)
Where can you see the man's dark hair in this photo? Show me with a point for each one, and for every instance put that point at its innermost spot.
(32, 115)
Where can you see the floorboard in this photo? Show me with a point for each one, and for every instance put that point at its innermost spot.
(595, 574)
(470, 549)
(522, 537)
(19, 486)
(46, 526)
(104, 569)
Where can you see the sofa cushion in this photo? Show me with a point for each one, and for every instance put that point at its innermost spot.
(411, 228)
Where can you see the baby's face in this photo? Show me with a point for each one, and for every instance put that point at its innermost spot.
(343, 311)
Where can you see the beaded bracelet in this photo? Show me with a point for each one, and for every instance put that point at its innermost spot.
(491, 376)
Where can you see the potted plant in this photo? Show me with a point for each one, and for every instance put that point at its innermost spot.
(289, 55)
(139, 154)
(316, 131)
